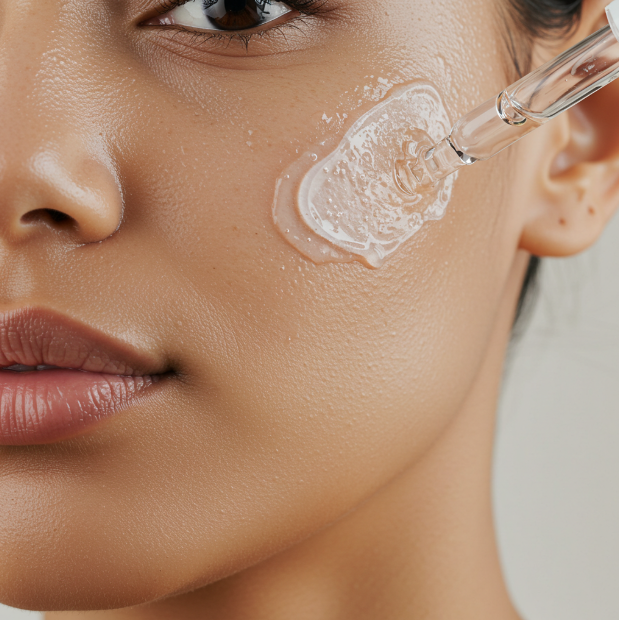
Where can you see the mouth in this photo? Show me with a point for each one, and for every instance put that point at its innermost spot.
(59, 378)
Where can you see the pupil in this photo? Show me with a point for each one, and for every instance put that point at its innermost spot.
(235, 5)
(234, 14)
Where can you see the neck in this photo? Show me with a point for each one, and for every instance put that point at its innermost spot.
(421, 547)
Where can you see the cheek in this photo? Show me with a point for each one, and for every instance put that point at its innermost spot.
(303, 375)
(310, 371)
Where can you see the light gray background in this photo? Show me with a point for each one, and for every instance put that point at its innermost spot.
(557, 459)
(557, 462)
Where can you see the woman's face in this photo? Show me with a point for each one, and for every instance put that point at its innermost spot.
(294, 391)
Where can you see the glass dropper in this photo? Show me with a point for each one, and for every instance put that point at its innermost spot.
(522, 107)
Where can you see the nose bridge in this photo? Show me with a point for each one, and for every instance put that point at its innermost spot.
(41, 67)
(53, 154)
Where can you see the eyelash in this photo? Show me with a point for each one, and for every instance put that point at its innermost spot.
(305, 8)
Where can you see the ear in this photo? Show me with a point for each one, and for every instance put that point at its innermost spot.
(574, 164)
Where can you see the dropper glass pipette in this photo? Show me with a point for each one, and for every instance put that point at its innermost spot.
(522, 107)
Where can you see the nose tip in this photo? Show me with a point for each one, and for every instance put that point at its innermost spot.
(64, 188)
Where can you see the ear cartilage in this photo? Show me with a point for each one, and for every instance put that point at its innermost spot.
(524, 106)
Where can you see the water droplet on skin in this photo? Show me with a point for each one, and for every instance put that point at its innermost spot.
(314, 157)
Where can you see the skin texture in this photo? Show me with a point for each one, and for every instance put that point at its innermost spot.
(323, 447)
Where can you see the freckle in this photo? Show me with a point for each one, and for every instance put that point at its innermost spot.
(562, 222)
(591, 211)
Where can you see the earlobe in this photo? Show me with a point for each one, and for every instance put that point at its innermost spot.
(566, 227)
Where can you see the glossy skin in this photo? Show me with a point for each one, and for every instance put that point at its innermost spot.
(301, 395)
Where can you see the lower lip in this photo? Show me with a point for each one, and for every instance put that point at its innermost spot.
(45, 406)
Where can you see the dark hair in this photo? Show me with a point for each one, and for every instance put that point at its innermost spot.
(531, 20)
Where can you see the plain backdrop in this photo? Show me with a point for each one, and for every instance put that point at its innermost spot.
(557, 459)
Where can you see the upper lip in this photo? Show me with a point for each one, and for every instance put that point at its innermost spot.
(33, 337)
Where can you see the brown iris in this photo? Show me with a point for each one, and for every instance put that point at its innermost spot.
(235, 14)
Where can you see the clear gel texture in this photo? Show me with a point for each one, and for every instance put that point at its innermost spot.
(346, 205)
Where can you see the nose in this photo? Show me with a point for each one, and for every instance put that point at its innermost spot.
(60, 186)
(57, 168)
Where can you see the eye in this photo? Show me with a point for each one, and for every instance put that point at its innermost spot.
(229, 15)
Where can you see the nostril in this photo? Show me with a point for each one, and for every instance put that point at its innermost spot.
(57, 216)
(51, 217)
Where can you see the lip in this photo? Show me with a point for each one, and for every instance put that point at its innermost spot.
(85, 377)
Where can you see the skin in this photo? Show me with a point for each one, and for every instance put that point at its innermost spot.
(323, 447)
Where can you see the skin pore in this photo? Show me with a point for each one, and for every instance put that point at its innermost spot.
(321, 445)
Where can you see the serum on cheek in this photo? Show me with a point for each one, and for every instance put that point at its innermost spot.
(347, 205)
